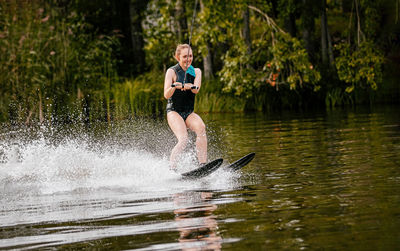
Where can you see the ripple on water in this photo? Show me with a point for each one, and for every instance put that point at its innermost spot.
(321, 181)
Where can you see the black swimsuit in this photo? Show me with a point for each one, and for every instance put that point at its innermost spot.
(182, 102)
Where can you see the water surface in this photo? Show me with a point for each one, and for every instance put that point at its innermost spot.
(321, 180)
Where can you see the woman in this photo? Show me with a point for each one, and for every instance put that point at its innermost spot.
(180, 90)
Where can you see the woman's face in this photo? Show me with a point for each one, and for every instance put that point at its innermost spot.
(185, 59)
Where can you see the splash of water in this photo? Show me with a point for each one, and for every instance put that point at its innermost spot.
(52, 160)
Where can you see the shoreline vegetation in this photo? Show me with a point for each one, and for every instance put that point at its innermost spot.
(65, 61)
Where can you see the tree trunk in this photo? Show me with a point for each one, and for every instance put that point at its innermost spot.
(326, 42)
(246, 29)
(330, 50)
(180, 15)
(135, 11)
(324, 36)
(207, 63)
(308, 28)
(246, 32)
(207, 59)
(290, 24)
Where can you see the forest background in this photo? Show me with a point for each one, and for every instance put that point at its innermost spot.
(69, 60)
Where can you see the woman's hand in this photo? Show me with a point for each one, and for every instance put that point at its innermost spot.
(188, 86)
(177, 85)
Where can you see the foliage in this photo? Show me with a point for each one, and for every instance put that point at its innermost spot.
(274, 53)
(361, 66)
(47, 59)
(57, 58)
(160, 34)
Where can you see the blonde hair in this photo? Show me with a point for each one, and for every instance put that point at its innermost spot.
(179, 48)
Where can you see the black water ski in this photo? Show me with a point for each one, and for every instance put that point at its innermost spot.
(235, 166)
(215, 164)
(203, 170)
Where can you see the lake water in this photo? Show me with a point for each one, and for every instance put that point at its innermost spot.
(322, 180)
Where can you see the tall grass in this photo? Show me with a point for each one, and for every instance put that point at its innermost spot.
(142, 96)
(212, 99)
(47, 61)
(338, 97)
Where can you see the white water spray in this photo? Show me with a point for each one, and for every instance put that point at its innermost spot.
(78, 163)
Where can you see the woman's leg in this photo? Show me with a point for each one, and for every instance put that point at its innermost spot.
(196, 124)
(178, 127)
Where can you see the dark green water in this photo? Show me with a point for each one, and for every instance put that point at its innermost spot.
(319, 181)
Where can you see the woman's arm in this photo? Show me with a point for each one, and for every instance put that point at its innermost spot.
(197, 80)
(169, 79)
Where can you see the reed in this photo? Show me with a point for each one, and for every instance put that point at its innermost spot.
(142, 96)
(338, 97)
(46, 57)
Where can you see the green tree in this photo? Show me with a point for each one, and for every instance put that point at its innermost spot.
(360, 60)
(277, 58)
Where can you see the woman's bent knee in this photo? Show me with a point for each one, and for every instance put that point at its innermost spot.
(183, 139)
(200, 129)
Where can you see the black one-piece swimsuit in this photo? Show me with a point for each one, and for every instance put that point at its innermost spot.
(182, 102)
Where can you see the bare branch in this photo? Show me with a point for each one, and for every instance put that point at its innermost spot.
(270, 21)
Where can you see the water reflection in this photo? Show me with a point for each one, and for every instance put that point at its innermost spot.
(321, 181)
(197, 224)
